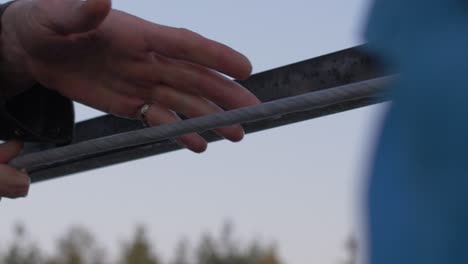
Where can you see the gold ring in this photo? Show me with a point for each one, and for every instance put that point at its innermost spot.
(143, 113)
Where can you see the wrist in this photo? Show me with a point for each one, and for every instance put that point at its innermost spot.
(14, 74)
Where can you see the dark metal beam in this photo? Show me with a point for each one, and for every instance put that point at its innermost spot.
(339, 68)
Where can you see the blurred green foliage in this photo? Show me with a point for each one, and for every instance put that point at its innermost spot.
(78, 246)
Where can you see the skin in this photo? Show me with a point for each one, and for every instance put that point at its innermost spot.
(116, 62)
(13, 183)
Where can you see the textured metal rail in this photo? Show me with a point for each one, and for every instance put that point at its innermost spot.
(299, 103)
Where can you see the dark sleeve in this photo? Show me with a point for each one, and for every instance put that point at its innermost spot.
(38, 114)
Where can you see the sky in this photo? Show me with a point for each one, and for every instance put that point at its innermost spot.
(300, 186)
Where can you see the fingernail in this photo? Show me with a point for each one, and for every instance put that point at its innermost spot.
(23, 177)
(241, 136)
(23, 192)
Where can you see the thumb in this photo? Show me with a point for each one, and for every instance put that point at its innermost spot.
(13, 183)
(76, 16)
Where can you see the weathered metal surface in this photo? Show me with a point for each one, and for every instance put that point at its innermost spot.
(343, 67)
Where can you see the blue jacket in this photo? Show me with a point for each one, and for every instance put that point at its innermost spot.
(418, 196)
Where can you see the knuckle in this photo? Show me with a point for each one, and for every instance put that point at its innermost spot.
(185, 32)
(180, 50)
(161, 94)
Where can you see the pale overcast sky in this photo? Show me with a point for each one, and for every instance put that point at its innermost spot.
(299, 186)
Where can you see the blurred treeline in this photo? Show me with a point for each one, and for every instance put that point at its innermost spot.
(79, 246)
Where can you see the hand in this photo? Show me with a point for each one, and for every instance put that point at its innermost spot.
(116, 62)
(13, 183)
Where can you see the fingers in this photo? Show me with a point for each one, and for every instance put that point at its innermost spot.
(13, 183)
(194, 106)
(189, 78)
(209, 84)
(75, 16)
(191, 90)
(204, 82)
(186, 45)
(158, 115)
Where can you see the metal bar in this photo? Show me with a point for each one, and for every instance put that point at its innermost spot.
(269, 110)
(336, 69)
